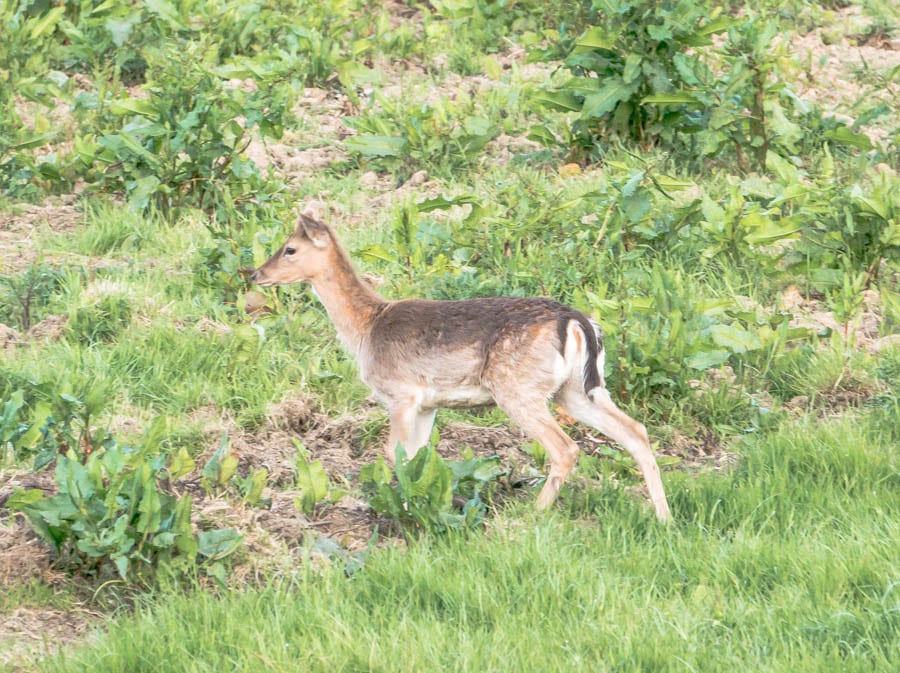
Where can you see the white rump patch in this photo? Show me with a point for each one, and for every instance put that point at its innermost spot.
(571, 363)
(601, 366)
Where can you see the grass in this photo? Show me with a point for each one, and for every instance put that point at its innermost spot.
(787, 563)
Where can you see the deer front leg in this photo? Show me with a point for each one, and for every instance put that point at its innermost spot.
(421, 432)
(410, 427)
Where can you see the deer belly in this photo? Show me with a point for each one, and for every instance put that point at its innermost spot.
(459, 397)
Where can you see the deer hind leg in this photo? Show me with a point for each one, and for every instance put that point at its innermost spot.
(533, 416)
(600, 412)
(410, 427)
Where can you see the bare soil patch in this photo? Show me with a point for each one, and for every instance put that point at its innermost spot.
(863, 329)
(27, 634)
(20, 231)
(23, 556)
(837, 72)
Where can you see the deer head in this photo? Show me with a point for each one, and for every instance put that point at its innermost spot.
(304, 256)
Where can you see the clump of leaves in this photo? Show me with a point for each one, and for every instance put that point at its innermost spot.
(102, 322)
(422, 497)
(313, 483)
(441, 137)
(38, 420)
(25, 296)
(183, 145)
(629, 70)
(112, 511)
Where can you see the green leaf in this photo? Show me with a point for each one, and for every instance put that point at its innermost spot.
(217, 544)
(150, 509)
(228, 468)
(605, 100)
(636, 206)
(762, 230)
(543, 135)
(376, 146)
(673, 98)
(120, 30)
(597, 38)
(701, 37)
(632, 68)
(777, 122)
(703, 360)
(376, 473)
(165, 10)
(257, 484)
(844, 136)
(312, 482)
(443, 203)
(734, 338)
(47, 24)
(634, 181)
(141, 191)
(213, 466)
(121, 563)
(131, 143)
(34, 141)
(22, 498)
(136, 106)
(784, 169)
(563, 100)
(181, 464)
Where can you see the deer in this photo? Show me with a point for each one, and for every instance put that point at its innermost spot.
(419, 355)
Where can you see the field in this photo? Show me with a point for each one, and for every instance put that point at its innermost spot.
(190, 472)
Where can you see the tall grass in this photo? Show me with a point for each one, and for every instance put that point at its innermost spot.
(787, 563)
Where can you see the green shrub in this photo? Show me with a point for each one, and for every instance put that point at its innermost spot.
(101, 322)
(422, 499)
(441, 137)
(631, 71)
(183, 145)
(24, 297)
(113, 510)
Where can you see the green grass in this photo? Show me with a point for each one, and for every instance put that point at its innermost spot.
(787, 563)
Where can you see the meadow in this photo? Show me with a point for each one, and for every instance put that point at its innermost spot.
(189, 465)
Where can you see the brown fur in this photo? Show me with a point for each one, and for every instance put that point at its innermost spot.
(418, 355)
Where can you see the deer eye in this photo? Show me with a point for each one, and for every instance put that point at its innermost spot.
(290, 251)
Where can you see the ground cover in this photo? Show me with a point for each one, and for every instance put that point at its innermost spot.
(724, 201)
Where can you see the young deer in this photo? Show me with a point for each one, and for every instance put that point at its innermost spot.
(419, 355)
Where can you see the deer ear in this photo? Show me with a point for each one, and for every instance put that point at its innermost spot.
(314, 230)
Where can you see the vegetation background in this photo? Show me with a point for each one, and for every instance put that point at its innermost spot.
(189, 466)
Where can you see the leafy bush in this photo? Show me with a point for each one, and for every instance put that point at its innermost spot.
(183, 145)
(28, 34)
(422, 498)
(112, 510)
(440, 137)
(629, 70)
(103, 321)
(24, 297)
(42, 421)
(856, 225)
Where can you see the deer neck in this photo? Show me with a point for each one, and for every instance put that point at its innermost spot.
(351, 304)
